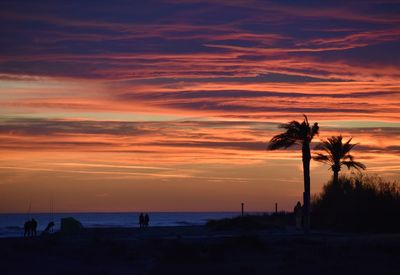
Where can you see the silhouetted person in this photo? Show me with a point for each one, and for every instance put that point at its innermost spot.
(146, 220)
(48, 228)
(30, 228)
(141, 220)
(27, 228)
(33, 226)
(298, 213)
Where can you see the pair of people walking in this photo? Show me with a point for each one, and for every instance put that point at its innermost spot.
(144, 220)
(30, 228)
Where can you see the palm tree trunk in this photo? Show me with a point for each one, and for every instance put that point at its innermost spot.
(335, 177)
(306, 196)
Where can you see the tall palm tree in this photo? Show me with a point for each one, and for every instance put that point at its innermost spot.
(302, 134)
(337, 154)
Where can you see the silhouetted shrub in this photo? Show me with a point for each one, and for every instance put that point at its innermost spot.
(359, 203)
(265, 221)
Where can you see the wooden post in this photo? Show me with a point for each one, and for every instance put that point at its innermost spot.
(276, 208)
(242, 209)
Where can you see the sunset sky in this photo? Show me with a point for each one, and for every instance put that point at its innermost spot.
(169, 105)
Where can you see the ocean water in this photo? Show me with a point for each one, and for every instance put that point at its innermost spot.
(12, 224)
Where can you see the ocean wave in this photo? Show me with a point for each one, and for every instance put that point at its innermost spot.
(13, 227)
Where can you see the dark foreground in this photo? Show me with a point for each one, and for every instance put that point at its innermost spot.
(198, 250)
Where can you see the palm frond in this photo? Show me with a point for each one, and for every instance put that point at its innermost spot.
(322, 158)
(296, 132)
(348, 157)
(347, 147)
(354, 164)
(314, 130)
(306, 120)
(290, 125)
(281, 141)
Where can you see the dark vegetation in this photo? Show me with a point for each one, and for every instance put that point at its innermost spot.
(359, 203)
(254, 222)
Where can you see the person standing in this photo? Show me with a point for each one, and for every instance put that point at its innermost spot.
(141, 220)
(298, 213)
(146, 220)
(27, 228)
(34, 227)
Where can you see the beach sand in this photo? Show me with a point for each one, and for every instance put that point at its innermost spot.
(199, 250)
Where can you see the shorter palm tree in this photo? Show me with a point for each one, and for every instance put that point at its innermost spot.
(336, 154)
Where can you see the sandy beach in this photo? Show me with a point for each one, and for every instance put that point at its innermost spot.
(200, 250)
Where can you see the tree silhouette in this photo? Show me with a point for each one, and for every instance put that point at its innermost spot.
(302, 134)
(336, 154)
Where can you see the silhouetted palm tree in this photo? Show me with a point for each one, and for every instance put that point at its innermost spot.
(336, 155)
(302, 134)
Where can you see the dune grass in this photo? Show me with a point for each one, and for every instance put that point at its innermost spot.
(252, 222)
(359, 203)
